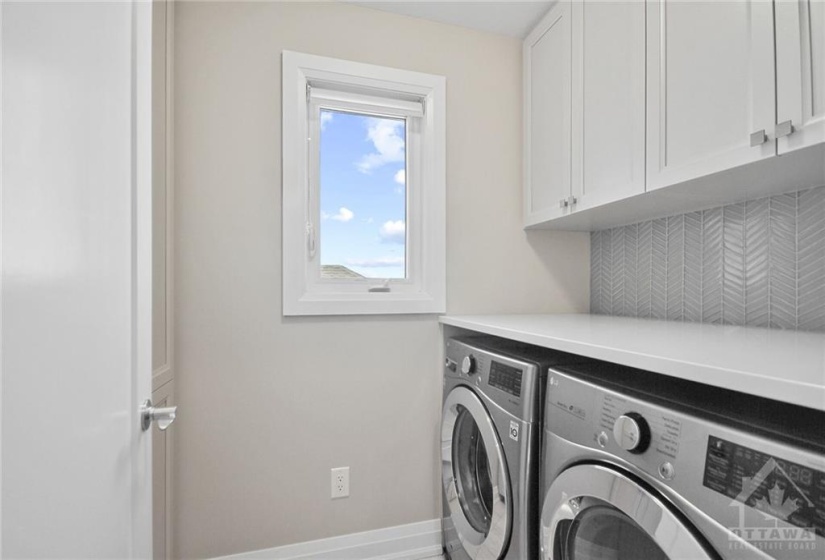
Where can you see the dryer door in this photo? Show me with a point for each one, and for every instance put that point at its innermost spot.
(474, 476)
(595, 512)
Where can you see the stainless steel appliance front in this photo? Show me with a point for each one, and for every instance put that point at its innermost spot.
(491, 422)
(628, 475)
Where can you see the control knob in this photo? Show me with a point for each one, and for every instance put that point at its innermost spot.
(468, 365)
(632, 432)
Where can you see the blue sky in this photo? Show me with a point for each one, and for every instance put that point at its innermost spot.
(363, 198)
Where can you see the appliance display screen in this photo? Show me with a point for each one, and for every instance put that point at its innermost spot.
(782, 489)
(506, 378)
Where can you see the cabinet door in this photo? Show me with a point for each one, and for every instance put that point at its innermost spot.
(800, 73)
(710, 87)
(547, 116)
(608, 101)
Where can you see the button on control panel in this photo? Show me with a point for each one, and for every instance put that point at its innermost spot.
(468, 365)
(632, 432)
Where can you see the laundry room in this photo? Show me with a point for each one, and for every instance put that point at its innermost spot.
(412, 280)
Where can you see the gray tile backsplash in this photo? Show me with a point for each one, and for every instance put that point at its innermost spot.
(759, 263)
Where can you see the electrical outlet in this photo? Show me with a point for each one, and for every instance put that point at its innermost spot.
(340, 482)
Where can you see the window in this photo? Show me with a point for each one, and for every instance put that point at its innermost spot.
(362, 165)
(363, 188)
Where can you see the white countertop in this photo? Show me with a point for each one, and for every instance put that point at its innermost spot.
(782, 365)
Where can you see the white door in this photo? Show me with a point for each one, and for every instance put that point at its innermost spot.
(608, 102)
(547, 114)
(800, 73)
(76, 279)
(710, 91)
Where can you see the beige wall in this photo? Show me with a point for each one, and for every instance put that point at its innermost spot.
(268, 405)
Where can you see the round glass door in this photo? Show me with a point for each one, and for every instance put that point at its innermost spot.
(472, 472)
(474, 476)
(602, 532)
(595, 512)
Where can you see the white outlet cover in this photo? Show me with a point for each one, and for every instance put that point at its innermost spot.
(339, 480)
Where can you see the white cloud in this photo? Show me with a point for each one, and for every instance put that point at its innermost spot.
(401, 176)
(377, 263)
(326, 117)
(393, 232)
(386, 136)
(343, 215)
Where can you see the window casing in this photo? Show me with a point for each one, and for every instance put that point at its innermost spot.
(312, 84)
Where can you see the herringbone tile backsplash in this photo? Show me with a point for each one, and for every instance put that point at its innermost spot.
(758, 263)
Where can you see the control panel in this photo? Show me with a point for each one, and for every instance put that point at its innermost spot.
(637, 433)
(511, 382)
(506, 378)
(780, 488)
(645, 435)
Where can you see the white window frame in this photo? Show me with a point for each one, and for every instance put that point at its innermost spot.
(310, 83)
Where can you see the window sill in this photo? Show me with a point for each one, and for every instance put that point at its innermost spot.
(364, 304)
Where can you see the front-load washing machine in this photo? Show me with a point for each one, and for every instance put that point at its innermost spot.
(644, 466)
(490, 436)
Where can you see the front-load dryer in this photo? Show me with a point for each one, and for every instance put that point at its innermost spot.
(490, 437)
(645, 466)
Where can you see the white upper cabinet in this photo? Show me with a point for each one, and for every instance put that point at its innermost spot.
(547, 115)
(710, 88)
(608, 130)
(800, 74)
(639, 110)
(584, 72)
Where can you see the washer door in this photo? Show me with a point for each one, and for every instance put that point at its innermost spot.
(474, 476)
(594, 512)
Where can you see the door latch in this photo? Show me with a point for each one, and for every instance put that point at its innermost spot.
(164, 416)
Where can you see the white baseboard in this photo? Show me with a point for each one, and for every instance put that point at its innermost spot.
(415, 541)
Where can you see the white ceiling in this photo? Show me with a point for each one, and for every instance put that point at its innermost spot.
(515, 18)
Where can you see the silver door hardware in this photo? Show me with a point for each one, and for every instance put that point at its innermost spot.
(784, 129)
(163, 416)
(759, 137)
(571, 200)
(563, 203)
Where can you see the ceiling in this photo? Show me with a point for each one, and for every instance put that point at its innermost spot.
(515, 18)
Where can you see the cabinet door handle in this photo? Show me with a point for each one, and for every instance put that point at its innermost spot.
(571, 200)
(783, 129)
(758, 138)
(563, 203)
